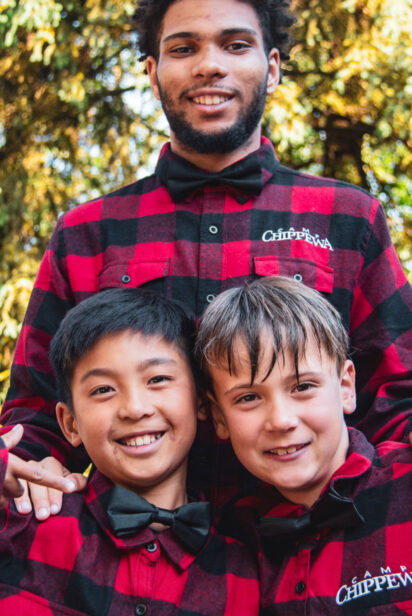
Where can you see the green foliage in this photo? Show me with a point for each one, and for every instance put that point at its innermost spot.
(77, 118)
(343, 108)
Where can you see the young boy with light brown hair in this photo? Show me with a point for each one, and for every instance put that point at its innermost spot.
(332, 519)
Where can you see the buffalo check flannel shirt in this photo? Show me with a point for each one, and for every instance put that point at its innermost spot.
(72, 564)
(362, 571)
(328, 234)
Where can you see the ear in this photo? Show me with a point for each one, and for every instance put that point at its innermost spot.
(203, 408)
(347, 384)
(67, 423)
(274, 70)
(151, 67)
(219, 422)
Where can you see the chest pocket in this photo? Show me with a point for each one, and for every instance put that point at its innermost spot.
(315, 275)
(135, 273)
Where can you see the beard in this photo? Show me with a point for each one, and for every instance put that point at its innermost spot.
(219, 142)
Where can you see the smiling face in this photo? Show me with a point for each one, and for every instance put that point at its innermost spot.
(290, 434)
(135, 402)
(212, 76)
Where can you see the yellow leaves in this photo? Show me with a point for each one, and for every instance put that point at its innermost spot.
(334, 101)
(72, 89)
(14, 296)
(12, 293)
(312, 33)
(5, 64)
(34, 15)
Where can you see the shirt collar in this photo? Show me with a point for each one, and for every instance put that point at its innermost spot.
(96, 497)
(358, 462)
(265, 152)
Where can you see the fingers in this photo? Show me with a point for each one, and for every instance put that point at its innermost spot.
(79, 479)
(42, 504)
(23, 502)
(42, 488)
(12, 438)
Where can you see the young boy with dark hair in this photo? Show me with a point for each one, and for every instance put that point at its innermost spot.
(332, 520)
(133, 542)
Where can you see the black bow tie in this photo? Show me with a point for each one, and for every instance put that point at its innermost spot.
(334, 511)
(182, 178)
(128, 512)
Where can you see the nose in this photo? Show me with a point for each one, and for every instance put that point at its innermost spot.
(134, 405)
(209, 63)
(280, 417)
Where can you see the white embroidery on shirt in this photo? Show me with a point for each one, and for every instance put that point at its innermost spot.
(368, 585)
(290, 234)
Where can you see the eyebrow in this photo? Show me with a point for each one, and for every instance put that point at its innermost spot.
(195, 35)
(148, 363)
(291, 376)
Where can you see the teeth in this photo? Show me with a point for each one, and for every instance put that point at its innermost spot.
(138, 441)
(210, 100)
(281, 451)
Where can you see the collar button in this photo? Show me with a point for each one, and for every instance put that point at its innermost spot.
(300, 587)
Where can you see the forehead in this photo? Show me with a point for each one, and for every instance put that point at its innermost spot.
(131, 345)
(310, 355)
(215, 16)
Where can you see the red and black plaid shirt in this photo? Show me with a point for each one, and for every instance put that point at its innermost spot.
(73, 564)
(330, 235)
(365, 570)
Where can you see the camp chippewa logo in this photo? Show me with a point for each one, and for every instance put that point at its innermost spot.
(291, 234)
(371, 584)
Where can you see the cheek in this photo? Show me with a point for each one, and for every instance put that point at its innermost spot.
(242, 431)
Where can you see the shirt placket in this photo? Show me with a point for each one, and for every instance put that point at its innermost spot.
(210, 251)
(148, 558)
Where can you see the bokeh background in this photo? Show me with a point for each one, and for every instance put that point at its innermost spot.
(77, 118)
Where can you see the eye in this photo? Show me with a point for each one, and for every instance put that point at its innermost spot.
(303, 387)
(247, 398)
(238, 46)
(182, 50)
(103, 389)
(159, 378)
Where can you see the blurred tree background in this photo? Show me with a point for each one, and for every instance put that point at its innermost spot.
(77, 118)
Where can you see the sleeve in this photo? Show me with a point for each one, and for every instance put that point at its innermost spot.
(381, 339)
(31, 399)
(4, 457)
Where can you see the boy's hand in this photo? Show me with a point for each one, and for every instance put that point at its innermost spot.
(46, 481)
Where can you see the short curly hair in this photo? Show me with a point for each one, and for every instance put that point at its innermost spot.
(274, 17)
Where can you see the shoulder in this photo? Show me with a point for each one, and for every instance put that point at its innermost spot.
(390, 453)
(317, 189)
(26, 530)
(387, 489)
(109, 204)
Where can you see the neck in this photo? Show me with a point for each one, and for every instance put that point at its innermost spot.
(214, 161)
(170, 496)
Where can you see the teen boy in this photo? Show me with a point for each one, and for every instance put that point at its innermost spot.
(333, 516)
(191, 234)
(133, 542)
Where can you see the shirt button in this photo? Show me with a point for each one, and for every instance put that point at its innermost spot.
(300, 587)
(298, 277)
(213, 229)
(151, 547)
(126, 278)
(210, 298)
(140, 609)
